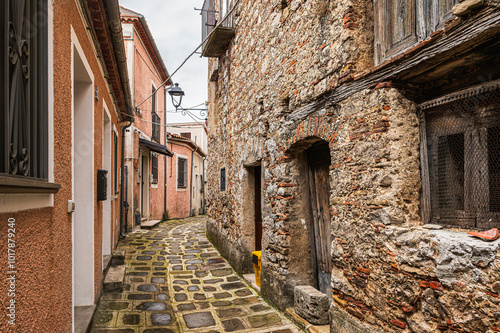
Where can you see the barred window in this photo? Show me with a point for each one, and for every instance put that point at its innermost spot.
(23, 88)
(182, 172)
(463, 153)
(223, 179)
(154, 167)
(155, 119)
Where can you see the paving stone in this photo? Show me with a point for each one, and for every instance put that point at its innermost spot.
(189, 256)
(222, 295)
(200, 319)
(143, 268)
(119, 330)
(180, 282)
(160, 268)
(233, 325)
(138, 273)
(157, 280)
(243, 293)
(193, 288)
(232, 278)
(199, 297)
(203, 305)
(215, 260)
(221, 272)
(139, 296)
(159, 273)
(195, 281)
(131, 319)
(194, 261)
(152, 306)
(157, 330)
(191, 267)
(222, 303)
(212, 281)
(247, 300)
(186, 307)
(193, 251)
(113, 306)
(232, 285)
(102, 317)
(164, 288)
(177, 288)
(175, 261)
(161, 319)
(209, 289)
(148, 252)
(180, 297)
(264, 320)
(156, 263)
(162, 297)
(137, 279)
(177, 268)
(231, 312)
(144, 257)
(259, 308)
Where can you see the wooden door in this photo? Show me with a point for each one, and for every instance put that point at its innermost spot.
(318, 161)
(258, 207)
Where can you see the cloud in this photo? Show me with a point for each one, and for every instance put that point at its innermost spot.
(176, 28)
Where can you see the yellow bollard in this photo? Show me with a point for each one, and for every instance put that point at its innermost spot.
(257, 265)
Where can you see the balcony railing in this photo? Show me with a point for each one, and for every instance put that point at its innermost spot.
(219, 35)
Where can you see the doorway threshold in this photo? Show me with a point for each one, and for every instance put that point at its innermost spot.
(250, 278)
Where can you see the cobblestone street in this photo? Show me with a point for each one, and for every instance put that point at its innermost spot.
(177, 282)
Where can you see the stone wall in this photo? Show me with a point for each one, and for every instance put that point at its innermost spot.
(389, 274)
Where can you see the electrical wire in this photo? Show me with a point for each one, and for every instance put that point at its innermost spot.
(189, 56)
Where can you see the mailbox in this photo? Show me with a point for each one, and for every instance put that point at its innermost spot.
(102, 185)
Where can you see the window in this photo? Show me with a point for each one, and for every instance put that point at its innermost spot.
(115, 157)
(463, 153)
(223, 179)
(399, 25)
(23, 93)
(154, 167)
(182, 172)
(186, 135)
(155, 119)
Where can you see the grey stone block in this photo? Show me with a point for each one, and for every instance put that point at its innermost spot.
(118, 258)
(114, 278)
(311, 304)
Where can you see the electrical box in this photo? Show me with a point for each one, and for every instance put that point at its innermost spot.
(102, 185)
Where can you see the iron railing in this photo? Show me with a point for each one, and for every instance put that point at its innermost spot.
(211, 16)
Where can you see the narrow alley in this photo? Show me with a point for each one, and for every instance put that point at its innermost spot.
(177, 282)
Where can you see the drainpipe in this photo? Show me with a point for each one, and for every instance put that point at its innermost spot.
(122, 177)
(191, 185)
(203, 186)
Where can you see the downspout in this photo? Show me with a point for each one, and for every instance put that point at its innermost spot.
(166, 158)
(203, 186)
(122, 177)
(191, 185)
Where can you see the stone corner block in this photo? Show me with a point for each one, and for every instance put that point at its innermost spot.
(311, 304)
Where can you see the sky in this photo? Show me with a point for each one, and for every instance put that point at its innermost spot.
(176, 28)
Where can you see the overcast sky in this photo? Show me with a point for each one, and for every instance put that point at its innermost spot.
(176, 28)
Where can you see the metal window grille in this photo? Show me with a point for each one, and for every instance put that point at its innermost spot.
(154, 167)
(463, 152)
(223, 179)
(155, 119)
(23, 93)
(210, 16)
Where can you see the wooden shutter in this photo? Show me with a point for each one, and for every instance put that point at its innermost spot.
(185, 173)
(182, 172)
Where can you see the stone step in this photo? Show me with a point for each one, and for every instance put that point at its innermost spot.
(115, 278)
(304, 324)
(118, 258)
(149, 224)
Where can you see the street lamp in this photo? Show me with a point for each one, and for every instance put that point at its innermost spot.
(176, 94)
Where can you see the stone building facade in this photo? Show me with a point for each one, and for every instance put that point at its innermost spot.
(343, 136)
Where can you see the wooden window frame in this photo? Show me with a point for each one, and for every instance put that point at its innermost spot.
(154, 167)
(223, 179)
(183, 184)
(471, 181)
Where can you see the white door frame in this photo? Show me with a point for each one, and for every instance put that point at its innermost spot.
(107, 152)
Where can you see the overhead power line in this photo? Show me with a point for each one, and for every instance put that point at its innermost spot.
(190, 55)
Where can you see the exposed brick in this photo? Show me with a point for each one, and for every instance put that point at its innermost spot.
(398, 323)
(436, 285)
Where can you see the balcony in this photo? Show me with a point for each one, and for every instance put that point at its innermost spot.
(219, 34)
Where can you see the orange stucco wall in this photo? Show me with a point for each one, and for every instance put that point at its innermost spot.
(145, 75)
(44, 236)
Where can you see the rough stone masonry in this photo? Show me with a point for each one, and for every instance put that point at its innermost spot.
(301, 72)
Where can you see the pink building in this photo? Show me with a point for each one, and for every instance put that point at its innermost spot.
(185, 177)
(145, 155)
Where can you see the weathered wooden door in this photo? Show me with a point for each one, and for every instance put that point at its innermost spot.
(258, 208)
(318, 161)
